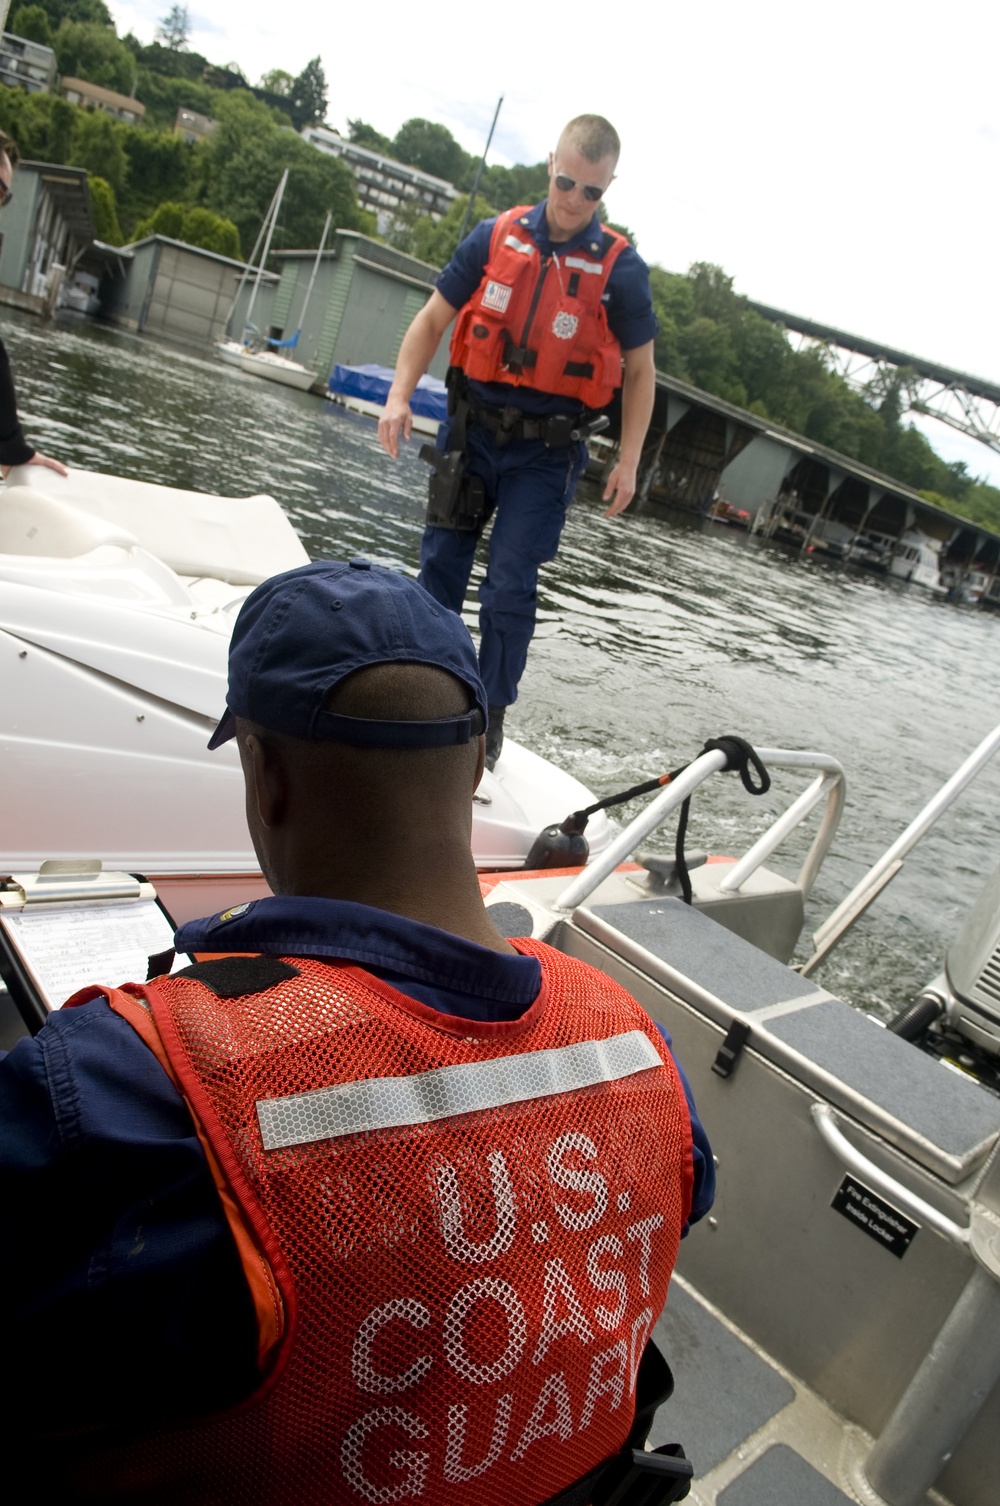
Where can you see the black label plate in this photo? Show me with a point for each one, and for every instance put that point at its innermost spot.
(875, 1217)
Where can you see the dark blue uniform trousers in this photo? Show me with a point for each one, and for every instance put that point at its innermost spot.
(530, 487)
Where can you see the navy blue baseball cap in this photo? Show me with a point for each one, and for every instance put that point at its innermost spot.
(299, 634)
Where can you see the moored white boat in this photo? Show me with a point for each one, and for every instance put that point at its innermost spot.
(916, 559)
(275, 368)
(117, 601)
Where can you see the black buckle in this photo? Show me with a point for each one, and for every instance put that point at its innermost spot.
(655, 1479)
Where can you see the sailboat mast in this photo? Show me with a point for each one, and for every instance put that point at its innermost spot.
(250, 264)
(312, 279)
(272, 221)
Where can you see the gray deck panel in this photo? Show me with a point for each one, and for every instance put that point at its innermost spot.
(781, 1477)
(955, 1114)
(708, 954)
(723, 1390)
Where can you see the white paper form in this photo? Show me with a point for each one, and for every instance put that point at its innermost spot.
(67, 947)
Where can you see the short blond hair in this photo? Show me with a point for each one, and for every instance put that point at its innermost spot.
(9, 149)
(592, 136)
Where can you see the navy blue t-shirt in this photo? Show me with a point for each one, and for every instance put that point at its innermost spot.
(124, 1289)
(627, 299)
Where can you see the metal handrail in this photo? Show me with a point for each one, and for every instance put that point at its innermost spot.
(830, 784)
(906, 1201)
(891, 861)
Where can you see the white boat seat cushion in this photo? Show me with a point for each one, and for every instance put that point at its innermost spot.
(32, 523)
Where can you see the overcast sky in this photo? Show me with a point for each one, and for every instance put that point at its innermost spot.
(841, 162)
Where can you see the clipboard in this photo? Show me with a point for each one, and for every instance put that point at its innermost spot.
(73, 924)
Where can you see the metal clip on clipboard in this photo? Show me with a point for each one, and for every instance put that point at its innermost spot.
(73, 924)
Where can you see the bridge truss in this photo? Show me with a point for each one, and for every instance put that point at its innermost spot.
(963, 402)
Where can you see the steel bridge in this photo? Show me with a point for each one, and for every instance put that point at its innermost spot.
(966, 403)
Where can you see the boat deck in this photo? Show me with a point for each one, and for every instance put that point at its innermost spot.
(755, 1434)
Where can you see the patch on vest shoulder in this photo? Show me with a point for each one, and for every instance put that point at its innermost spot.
(497, 297)
(564, 325)
(232, 977)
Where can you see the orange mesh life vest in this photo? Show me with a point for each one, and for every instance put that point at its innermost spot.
(458, 1235)
(539, 321)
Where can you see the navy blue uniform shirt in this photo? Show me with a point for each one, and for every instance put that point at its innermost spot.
(627, 299)
(125, 1296)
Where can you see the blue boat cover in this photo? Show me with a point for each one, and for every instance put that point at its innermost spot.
(372, 383)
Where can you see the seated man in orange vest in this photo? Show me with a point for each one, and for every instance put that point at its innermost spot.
(370, 1203)
(554, 315)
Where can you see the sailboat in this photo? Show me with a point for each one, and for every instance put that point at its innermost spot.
(262, 356)
(229, 349)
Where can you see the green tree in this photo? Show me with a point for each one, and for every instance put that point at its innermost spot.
(308, 94)
(277, 81)
(102, 199)
(97, 146)
(163, 95)
(85, 50)
(434, 241)
(203, 228)
(159, 168)
(239, 166)
(200, 227)
(31, 21)
(166, 219)
(363, 134)
(432, 148)
(169, 62)
(41, 124)
(173, 30)
(93, 12)
(507, 186)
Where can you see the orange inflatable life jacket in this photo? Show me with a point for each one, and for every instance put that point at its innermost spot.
(458, 1235)
(539, 321)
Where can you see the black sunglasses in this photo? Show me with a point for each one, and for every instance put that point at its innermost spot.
(590, 191)
(6, 194)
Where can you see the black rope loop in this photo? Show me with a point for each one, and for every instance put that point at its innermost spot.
(739, 757)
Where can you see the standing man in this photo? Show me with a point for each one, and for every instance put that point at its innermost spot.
(14, 448)
(554, 314)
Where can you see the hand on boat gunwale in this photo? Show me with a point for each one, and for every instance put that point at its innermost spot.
(38, 459)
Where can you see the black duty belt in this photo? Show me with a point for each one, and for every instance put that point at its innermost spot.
(557, 430)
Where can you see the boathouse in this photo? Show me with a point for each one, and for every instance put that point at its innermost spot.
(172, 289)
(46, 228)
(363, 299)
(703, 455)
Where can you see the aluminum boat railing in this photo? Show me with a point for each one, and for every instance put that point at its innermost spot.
(829, 785)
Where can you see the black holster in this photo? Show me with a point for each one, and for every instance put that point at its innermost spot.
(633, 1477)
(455, 499)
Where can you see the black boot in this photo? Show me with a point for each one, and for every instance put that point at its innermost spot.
(494, 736)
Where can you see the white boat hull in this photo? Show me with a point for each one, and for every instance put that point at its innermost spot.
(274, 368)
(113, 658)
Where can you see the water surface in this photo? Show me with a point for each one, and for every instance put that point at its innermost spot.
(654, 633)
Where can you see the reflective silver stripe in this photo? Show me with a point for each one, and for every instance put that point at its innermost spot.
(583, 266)
(385, 1102)
(515, 245)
